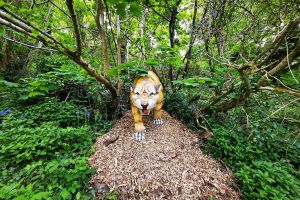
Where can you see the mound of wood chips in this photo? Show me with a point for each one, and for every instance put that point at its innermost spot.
(168, 164)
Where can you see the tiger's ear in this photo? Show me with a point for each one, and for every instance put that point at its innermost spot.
(131, 88)
(158, 88)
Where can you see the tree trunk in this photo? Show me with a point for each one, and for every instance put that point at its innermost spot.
(101, 28)
(172, 24)
(142, 54)
(5, 52)
(192, 39)
(119, 57)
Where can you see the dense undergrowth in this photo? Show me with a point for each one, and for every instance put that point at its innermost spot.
(48, 123)
(45, 149)
(259, 141)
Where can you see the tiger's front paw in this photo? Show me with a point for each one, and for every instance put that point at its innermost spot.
(158, 121)
(139, 136)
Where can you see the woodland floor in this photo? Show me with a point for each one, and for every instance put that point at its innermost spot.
(168, 164)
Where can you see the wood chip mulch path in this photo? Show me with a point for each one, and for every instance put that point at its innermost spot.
(168, 164)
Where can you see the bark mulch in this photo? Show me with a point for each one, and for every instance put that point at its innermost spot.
(168, 164)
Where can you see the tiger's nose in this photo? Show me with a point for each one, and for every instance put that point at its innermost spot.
(144, 102)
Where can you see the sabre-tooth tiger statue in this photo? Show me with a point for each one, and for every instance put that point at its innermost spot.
(146, 95)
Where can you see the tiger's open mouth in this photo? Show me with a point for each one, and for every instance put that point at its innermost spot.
(145, 112)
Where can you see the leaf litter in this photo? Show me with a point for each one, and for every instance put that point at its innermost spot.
(167, 164)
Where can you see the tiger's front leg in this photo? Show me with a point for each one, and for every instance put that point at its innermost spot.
(157, 114)
(138, 124)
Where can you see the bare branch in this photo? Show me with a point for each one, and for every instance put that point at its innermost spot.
(291, 102)
(32, 4)
(27, 45)
(28, 28)
(16, 28)
(280, 66)
(282, 84)
(21, 24)
(281, 90)
(75, 24)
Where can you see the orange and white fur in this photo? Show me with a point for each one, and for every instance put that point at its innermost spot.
(146, 94)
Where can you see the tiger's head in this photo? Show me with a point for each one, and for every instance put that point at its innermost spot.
(145, 94)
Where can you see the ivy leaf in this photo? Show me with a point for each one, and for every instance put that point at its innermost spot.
(9, 84)
(121, 9)
(136, 9)
(65, 194)
(44, 88)
(34, 93)
(35, 83)
(152, 62)
(2, 3)
(41, 195)
(35, 33)
(114, 71)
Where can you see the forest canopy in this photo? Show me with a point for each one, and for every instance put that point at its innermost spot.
(221, 62)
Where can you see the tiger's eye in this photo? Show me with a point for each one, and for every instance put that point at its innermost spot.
(152, 93)
(137, 93)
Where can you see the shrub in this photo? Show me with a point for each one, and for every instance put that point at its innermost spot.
(178, 105)
(64, 113)
(263, 153)
(45, 161)
(51, 110)
(266, 180)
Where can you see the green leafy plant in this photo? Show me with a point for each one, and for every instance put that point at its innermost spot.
(46, 160)
(42, 158)
(267, 180)
(264, 154)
